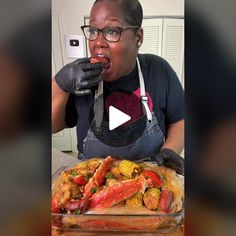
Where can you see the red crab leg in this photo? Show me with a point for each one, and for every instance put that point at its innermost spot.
(116, 193)
(102, 171)
(94, 182)
(98, 178)
(88, 187)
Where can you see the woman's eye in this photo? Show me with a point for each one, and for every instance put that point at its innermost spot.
(92, 31)
(112, 31)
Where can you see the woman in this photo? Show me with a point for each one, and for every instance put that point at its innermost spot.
(143, 86)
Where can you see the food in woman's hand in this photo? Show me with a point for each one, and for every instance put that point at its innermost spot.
(101, 59)
(94, 60)
(99, 184)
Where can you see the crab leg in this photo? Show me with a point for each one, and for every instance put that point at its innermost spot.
(88, 188)
(99, 175)
(93, 183)
(117, 193)
(102, 171)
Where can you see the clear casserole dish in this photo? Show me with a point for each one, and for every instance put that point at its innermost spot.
(120, 217)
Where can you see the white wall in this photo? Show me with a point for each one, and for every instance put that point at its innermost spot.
(163, 7)
(73, 12)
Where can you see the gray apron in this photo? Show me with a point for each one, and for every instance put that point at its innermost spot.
(140, 140)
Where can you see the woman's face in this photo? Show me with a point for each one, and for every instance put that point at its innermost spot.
(122, 54)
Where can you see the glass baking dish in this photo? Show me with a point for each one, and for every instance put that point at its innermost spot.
(112, 222)
(116, 221)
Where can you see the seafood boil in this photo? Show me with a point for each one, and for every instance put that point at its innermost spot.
(107, 184)
(101, 59)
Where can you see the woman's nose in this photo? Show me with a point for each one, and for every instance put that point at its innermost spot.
(101, 41)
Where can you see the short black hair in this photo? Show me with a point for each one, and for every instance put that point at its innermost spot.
(132, 11)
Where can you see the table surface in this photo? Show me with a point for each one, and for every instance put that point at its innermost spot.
(177, 232)
(59, 160)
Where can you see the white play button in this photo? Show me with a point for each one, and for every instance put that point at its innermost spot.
(116, 117)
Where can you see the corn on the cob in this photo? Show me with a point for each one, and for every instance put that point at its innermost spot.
(129, 168)
(151, 198)
(135, 200)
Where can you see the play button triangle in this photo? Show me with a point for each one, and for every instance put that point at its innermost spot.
(117, 117)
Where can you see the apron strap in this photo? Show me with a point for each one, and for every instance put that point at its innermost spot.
(98, 105)
(144, 98)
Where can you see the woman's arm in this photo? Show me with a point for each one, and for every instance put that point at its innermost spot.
(175, 137)
(59, 101)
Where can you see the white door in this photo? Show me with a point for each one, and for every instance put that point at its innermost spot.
(173, 45)
(152, 38)
(165, 37)
(60, 140)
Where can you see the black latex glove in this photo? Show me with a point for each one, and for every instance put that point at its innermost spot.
(79, 76)
(170, 159)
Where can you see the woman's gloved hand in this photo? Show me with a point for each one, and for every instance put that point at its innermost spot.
(170, 159)
(79, 76)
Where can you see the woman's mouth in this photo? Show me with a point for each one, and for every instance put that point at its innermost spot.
(102, 59)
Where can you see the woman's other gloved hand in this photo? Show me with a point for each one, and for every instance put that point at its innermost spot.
(170, 159)
(79, 76)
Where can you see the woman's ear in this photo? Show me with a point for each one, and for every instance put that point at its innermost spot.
(139, 37)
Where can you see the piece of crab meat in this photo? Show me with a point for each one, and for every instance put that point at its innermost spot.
(118, 192)
(100, 59)
(98, 177)
(102, 171)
